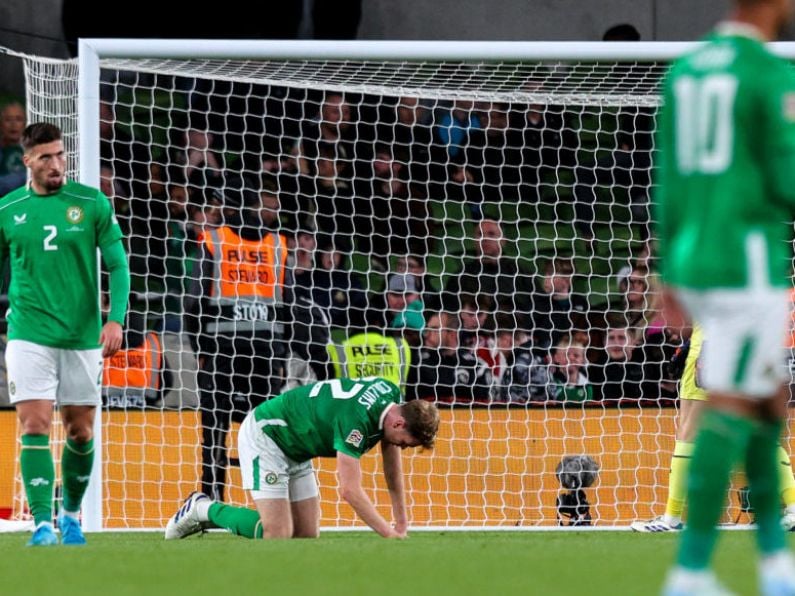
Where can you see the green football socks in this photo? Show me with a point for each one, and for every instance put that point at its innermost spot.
(76, 462)
(721, 443)
(238, 520)
(763, 470)
(38, 475)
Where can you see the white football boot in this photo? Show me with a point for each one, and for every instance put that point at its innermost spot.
(190, 518)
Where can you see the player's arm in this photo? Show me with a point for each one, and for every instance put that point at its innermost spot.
(115, 260)
(349, 474)
(393, 474)
(779, 97)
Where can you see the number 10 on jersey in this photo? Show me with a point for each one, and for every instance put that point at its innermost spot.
(705, 123)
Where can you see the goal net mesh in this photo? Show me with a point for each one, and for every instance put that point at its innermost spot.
(494, 215)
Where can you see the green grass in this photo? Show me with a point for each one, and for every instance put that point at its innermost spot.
(357, 563)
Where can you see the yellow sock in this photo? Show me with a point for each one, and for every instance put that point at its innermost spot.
(785, 478)
(677, 481)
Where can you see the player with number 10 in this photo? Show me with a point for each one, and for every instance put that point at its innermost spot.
(725, 205)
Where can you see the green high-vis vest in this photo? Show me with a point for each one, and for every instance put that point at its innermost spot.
(371, 355)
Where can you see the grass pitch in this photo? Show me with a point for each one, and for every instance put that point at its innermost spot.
(361, 563)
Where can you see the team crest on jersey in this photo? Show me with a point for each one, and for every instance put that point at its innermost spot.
(355, 438)
(74, 214)
(271, 478)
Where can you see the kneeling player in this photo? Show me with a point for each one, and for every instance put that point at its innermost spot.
(342, 418)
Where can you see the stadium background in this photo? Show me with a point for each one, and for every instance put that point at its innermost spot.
(36, 27)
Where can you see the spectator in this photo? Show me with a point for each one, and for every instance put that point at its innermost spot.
(415, 265)
(548, 145)
(567, 382)
(445, 371)
(524, 376)
(476, 313)
(196, 150)
(454, 127)
(333, 126)
(304, 254)
(128, 159)
(329, 195)
(112, 188)
(402, 296)
(621, 32)
(638, 289)
(406, 127)
(620, 373)
(397, 209)
(554, 305)
(181, 250)
(491, 274)
(148, 239)
(496, 150)
(12, 123)
(336, 289)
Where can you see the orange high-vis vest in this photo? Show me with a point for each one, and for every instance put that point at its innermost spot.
(248, 279)
(135, 372)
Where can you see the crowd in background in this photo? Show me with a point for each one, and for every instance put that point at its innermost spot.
(349, 182)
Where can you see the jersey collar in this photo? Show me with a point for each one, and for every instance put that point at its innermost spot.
(383, 415)
(737, 29)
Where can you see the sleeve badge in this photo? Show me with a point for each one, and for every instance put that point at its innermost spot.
(355, 438)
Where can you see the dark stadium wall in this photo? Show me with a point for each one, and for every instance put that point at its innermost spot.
(48, 27)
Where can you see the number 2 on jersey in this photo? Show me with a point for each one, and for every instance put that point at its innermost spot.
(705, 123)
(48, 240)
(337, 392)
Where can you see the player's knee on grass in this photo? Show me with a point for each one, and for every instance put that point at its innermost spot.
(276, 517)
(306, 518)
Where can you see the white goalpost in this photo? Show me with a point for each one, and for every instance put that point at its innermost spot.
(393, 151)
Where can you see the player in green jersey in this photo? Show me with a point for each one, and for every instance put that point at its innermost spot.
(341, 418)
(725, 207)
(50, 230)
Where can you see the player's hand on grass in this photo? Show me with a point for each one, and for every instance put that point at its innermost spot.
(110, 338)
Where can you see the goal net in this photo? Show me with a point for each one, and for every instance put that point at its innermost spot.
(492, 211)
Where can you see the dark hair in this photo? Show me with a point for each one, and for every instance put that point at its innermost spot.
(621, 32)
(40, 133)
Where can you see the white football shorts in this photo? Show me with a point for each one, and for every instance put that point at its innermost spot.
(744, 333)
(68, 377)
(267, 472)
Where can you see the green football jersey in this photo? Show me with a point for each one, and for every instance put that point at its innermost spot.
(318, 420)
(51, 242)
(725, 189)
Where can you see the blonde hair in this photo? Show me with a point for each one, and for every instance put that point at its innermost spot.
(422, 421)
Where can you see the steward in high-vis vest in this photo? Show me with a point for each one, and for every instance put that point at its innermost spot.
(372, 355)
(138, 375)
(134, 376)
(235, 317)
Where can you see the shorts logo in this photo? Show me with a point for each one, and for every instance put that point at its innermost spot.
(271, 478)
(355, 438)
(74, 214)
(12, 388)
